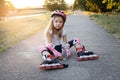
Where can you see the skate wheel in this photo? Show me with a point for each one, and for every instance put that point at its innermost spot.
(80, 59)
(48, 67)
(54, 67)
(95, 56)
(41, 67)
(91, 58)
(60, 66)
(85, 59)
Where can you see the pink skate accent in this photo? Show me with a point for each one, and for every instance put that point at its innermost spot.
(91, 58)
(68, 50)
(54, 67)
(45, 56)
(48, 67)
(95, 57)
(41, 48)
(56, 53)
(80, 59)
(42, 67)
(60, 66)
(79, 49)
(51, 56)
(83, 58)
(76, 40)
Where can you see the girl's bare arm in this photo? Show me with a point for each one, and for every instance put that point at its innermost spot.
(49, 38)
(65, 38)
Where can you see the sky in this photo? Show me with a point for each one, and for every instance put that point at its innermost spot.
(32, 3)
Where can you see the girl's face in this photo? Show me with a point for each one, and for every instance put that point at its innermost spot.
(58, 22)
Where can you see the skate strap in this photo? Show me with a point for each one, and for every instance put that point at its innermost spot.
(51, 56)
(43, 51)
(79, 49)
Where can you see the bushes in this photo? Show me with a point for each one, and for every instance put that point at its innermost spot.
(97, 5)
(109, 21)
(5, 6)
(55, 6)
(52, 5)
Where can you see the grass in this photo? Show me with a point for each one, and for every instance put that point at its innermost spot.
(16, 30)
(110, 22)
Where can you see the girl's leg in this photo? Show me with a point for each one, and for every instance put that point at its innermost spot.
(75, 42)
(81, 52)
(64, 50)
(78, 46)
(49, 60)
(56, 51)
(58, 48)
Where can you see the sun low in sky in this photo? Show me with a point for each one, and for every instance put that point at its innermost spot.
(32, 3)
(27, 3)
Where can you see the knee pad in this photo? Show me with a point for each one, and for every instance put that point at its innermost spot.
(45, 53)
(54, 51)
(42, 48)
(79, 47)
(76, 40)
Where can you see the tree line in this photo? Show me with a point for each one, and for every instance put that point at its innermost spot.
(52, 5)
(6, 6)
(97, 5)
(87, 5)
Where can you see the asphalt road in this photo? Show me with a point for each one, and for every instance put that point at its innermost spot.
(21, 61)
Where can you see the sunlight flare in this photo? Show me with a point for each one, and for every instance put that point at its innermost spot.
(33, 3)
(27, 3)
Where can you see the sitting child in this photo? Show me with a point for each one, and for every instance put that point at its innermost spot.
(58, 48)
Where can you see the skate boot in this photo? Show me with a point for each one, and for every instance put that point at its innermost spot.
(53, 64)
(81, 55)
(46, 54)
(86, 55)
(91, 55)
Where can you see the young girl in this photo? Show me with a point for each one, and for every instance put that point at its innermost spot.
(58, 48)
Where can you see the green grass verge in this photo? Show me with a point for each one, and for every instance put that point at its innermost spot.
(110, 22)
(16, 30)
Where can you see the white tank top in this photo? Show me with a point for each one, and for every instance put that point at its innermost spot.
(56, 40)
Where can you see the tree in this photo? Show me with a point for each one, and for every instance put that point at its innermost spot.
(96, 5)
(80, 4)
(3, 9)
(5, 6)
(89, 5)
(55, 4)
(112, 4)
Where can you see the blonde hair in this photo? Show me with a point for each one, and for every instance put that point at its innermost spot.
(51, 27)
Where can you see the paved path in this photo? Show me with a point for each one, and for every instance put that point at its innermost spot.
(21, 61)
